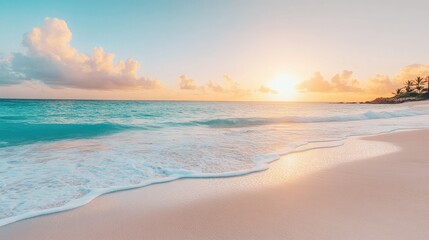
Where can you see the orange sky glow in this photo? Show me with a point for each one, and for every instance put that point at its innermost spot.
(276, 51)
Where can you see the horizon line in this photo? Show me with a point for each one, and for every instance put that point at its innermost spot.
(171, 100)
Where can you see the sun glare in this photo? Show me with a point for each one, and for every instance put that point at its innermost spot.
(285, 85)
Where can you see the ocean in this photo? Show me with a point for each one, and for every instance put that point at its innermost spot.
(60, 154)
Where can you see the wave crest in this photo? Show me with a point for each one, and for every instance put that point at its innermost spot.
(245, 122)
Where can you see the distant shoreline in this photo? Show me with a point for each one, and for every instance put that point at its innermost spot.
(411, 91)
(397, 100)
(390, 100)
(394, 100)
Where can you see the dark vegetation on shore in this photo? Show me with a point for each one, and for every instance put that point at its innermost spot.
(413, 90)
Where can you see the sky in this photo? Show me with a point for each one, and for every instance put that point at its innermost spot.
(232, 50)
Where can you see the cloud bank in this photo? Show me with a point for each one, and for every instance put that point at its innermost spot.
(229, 86)
(380, 84)
(185, 83)
(410, 72)
(51, 60)
(383, 84)
(342, 82)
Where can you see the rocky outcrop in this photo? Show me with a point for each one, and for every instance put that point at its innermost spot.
(394, 100)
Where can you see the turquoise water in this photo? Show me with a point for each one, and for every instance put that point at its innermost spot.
(56, 155)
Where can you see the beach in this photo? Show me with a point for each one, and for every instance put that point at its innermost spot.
(369, 188)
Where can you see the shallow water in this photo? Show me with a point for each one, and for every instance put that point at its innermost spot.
(56, 155)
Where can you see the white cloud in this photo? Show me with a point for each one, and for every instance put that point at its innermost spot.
(51, 60)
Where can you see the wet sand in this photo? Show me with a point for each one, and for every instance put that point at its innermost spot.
(369, 188)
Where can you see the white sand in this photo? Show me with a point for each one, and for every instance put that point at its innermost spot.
(377, 189)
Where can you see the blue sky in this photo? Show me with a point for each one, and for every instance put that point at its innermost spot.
(251, 41)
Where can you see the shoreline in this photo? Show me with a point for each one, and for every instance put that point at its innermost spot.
(393, 100)
(131, 213)
(389, 100)
(259, 167)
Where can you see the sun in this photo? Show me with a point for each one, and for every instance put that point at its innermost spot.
(285, 85)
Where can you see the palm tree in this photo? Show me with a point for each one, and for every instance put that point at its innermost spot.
(409, 86)
(427, 89)
(397, 92)
(418, 84)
